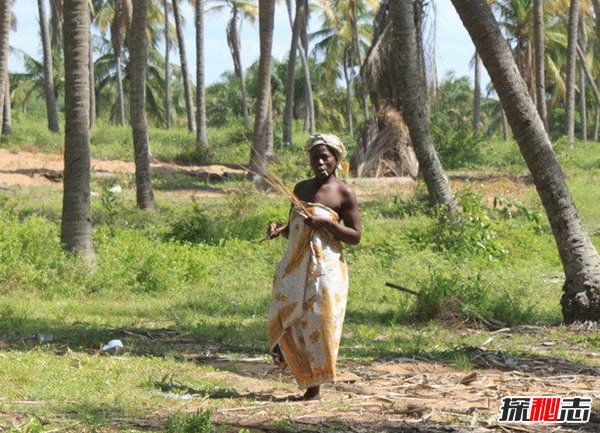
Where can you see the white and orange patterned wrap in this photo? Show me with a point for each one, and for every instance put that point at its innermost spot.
(309, 300)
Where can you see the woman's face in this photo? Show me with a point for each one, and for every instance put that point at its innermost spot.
(322, 162)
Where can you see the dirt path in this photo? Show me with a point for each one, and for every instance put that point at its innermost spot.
(43, 169)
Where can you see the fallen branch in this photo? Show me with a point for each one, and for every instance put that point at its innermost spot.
(403, 289)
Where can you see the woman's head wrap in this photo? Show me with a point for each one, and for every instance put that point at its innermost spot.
(333, 143)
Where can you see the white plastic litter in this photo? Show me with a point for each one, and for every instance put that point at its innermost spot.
(113, 345)
(115, 189)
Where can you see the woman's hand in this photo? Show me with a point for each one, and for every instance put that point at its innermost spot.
(318, 222)
(274, 230)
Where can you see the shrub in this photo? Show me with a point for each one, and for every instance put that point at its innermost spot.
(467, 233)
(197, 422)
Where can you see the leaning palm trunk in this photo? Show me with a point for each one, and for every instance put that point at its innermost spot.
(570, 81)
(582, 45)
(76, 226)
(262, 149)
(581, 263)
(233, 39)
(138, 57)
(413, 106)
(187, 86)
(201, 138)
(540, 80)
(121, 23)
(51, 112)
(5, 24)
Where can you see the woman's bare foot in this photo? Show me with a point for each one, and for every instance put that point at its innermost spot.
(312, 393)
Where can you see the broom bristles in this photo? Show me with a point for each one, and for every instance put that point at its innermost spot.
(276, 182)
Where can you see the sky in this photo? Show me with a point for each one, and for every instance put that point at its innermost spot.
(454, 48)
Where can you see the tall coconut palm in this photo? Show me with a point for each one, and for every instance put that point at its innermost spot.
(56, 22)
(580, 260)
(262, 148)
(6, 115)
(201, 138)
(476, 94)
(51, 112)
(187, 85)
(288, 115)
(540, 80)
(413, 102)
(344, 40)
(167, 98)
(239, 10)
(5, 25)
(571, 63)
(76, 226)
(138, 57)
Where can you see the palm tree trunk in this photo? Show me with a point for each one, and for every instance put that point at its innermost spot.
(596, 122)
(477, 95)
(138, 58)
(7, 115)
(540, 80)
(570, 81)
(51, 112)
(56, 22)
(349, 84)
(92, 83)
(201, 139)
(288, 113)
(233, 39)
(76, 225)
(120, 90)
(504, 125)
(580, 260)
(582, 104)
(5, 24)
(187, 86)
(262, 148)
(167, 68)
(582, 45)
(413, 103)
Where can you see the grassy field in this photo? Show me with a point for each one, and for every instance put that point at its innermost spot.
(191, 281)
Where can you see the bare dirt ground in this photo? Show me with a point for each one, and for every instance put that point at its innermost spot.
(391, 395)
(42, 169)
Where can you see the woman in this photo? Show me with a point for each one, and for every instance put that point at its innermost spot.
(311, 281)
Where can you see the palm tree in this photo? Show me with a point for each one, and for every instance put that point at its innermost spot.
(6, 115)
(344, 40)
(413, 102)
(187, 86)
(288, 115)
(580, 260)
(240, 10)
(167, 99)
(5, 25)
(138, 57)
(540, 80)
(570, 82)
(76, 226)
(476, 94)
(262, 149)
(51, 112)
(201, 139)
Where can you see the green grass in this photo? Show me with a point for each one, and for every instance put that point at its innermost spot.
(192, 277)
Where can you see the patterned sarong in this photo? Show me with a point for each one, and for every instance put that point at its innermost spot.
(309, 300)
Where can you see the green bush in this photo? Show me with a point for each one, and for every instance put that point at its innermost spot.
(467, 233)
(197, 422)
(449, 294)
